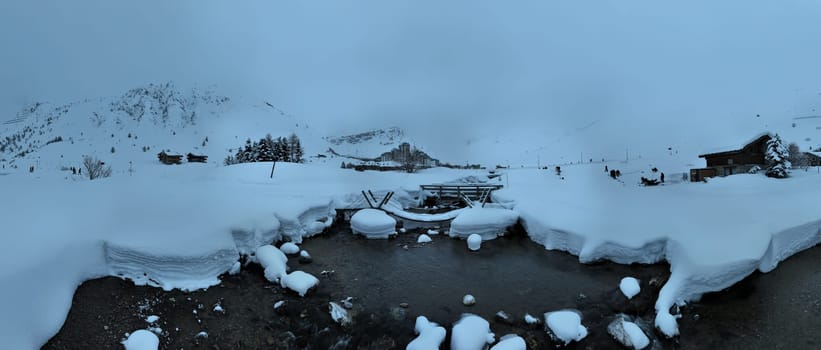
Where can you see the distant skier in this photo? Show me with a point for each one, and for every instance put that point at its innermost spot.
(662, 177)
(605, 169)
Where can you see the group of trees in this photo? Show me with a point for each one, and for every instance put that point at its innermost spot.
(268, 149)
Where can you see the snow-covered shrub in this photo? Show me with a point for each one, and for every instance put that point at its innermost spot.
(754, 170)
(95, 168)
(777, 157)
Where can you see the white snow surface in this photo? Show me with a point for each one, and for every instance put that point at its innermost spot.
(510, 342)
(629, 286)
(142, 340)
(590, 215)
(489, 223)
(299, 282)
(474, 242)
(373, 223)
(430, 335)
(471, 332)
(566, 325)
(188, 224)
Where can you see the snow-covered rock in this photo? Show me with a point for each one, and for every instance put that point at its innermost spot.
(432, 232)
(339, 314)
(289, 248)
(628, 334)
(474, 242)
(468, 300)
(152, 318)
(235, 269)
(529, 319)
(488, 223)
(299, 282)
(373, 223)
(430, 335)
(142, 340)
(629, 287)
(423, 238)
(565, 325)
(471, 332)
(510, 342)
(273, 261)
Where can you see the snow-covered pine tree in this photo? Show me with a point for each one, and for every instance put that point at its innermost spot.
(295, 148)
(286, 149)
(264, 151)
(777, 157)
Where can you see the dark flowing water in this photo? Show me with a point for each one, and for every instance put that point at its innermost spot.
(512, 274)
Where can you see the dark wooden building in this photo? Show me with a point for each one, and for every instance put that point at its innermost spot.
(166, 158)
(194, 158)
(734, 161)
(812, 158)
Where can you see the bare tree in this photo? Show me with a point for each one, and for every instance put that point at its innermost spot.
(95, 168)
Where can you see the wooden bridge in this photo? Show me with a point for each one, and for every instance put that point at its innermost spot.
(470, 193)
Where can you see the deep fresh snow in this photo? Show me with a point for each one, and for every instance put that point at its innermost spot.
(148, 236)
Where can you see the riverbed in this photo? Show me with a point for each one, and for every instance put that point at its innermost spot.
(391, 282)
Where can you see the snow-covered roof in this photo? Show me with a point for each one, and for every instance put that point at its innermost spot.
(817, 154)
(733, 148)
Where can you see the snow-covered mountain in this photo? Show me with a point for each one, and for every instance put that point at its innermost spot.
(135, 126)
(128, 130)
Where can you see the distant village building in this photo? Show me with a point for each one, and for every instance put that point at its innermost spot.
(812, 158)
(735, 161)
(405, 154)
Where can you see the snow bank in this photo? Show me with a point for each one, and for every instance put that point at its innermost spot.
(590, 215)
(430, 335)
(373, 223)
(471, 332)
(489, 223)
(299, 282)
(566, 325)
(186, 272)
(510, 342)
(629, 286)
(142, 340)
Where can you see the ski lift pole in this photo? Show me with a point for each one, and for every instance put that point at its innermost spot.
(273, 165)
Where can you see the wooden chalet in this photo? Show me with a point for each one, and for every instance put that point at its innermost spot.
(812, 158)
(735, 161)
(193, 158)
(166, 158)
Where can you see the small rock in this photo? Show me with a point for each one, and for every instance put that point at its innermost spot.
(504, 317)
(269, 340)
(347, 303)
(405, 247)
(305, 259)
(398, 313)
(468, 300)
(403, 305)
(105, 327)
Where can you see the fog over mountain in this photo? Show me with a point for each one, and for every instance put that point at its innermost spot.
(596, 77)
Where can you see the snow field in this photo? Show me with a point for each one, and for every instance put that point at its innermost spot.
(595, 217)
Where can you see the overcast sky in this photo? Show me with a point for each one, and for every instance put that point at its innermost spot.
(544, 65)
